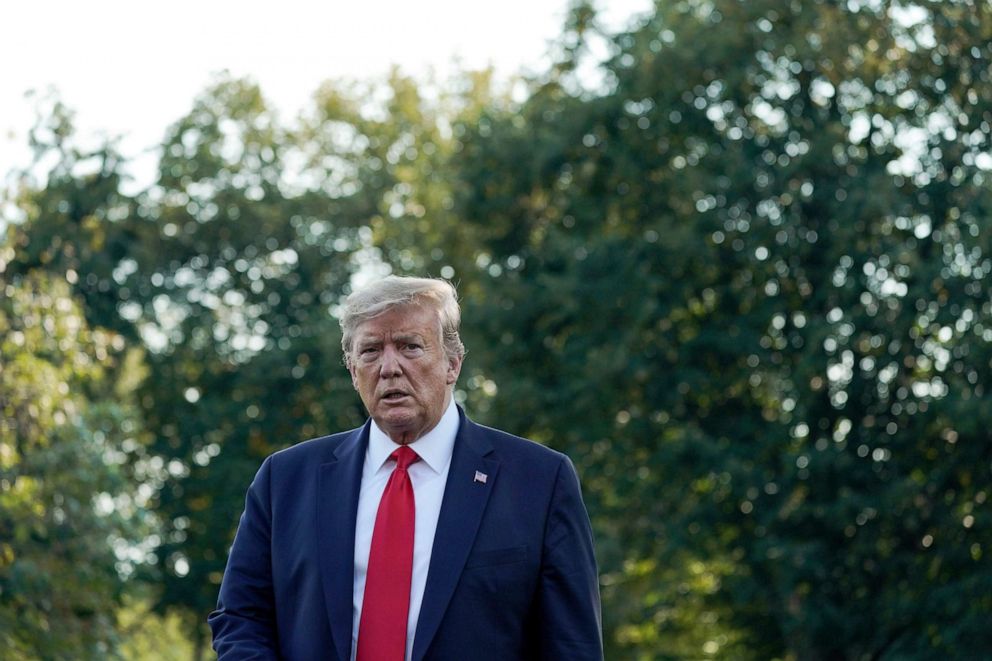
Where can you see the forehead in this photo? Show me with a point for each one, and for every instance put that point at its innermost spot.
(409, 319)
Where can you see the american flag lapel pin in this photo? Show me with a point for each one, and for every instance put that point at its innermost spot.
(480, 477)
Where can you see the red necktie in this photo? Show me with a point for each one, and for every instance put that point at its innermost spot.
(386, 604)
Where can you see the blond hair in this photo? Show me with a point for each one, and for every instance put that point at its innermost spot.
(394, 291)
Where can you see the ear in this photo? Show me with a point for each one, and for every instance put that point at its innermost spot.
(354, 377)
(454, 369)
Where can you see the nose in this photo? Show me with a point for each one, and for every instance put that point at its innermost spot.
(389, 364)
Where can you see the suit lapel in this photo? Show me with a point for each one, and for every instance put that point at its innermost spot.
(464, 502)
(337, 508)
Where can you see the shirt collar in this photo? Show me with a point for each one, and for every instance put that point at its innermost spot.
(434, 448)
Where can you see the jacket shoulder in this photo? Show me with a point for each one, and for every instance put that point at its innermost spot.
(508, 445)
(320, 449)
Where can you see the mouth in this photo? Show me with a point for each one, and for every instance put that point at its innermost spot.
(393, 395)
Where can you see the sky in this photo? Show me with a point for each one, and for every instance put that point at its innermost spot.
(131, 68)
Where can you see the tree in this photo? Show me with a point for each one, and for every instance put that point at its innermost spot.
(741, 280)
(69, 520)
(72, 519)
(744, 285)
(249, 240)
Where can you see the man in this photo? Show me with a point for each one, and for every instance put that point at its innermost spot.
(419, 536)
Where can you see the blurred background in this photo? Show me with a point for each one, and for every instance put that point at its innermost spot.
(733, 257)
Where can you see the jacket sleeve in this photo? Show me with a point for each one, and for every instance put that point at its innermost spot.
(244, 624)
(570, 621)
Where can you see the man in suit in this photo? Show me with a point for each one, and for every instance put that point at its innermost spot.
(420, 536)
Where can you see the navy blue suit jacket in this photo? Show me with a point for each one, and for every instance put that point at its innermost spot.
(512, 572)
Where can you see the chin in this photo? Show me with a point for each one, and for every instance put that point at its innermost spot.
(397, 422)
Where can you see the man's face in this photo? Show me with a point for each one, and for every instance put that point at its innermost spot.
(399, 367)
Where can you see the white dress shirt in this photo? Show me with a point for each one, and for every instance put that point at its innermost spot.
(428, 477)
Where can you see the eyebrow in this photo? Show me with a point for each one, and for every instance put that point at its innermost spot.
(398, 337)
(409, 337)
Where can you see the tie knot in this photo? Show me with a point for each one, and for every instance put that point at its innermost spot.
(404, 456)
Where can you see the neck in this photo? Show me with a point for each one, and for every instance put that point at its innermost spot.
(407, 436)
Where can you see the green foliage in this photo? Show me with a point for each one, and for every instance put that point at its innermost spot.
(65, 505)
(738, 292)
(148, 636)
(71, 219)
(231, 286)
(741, 281)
